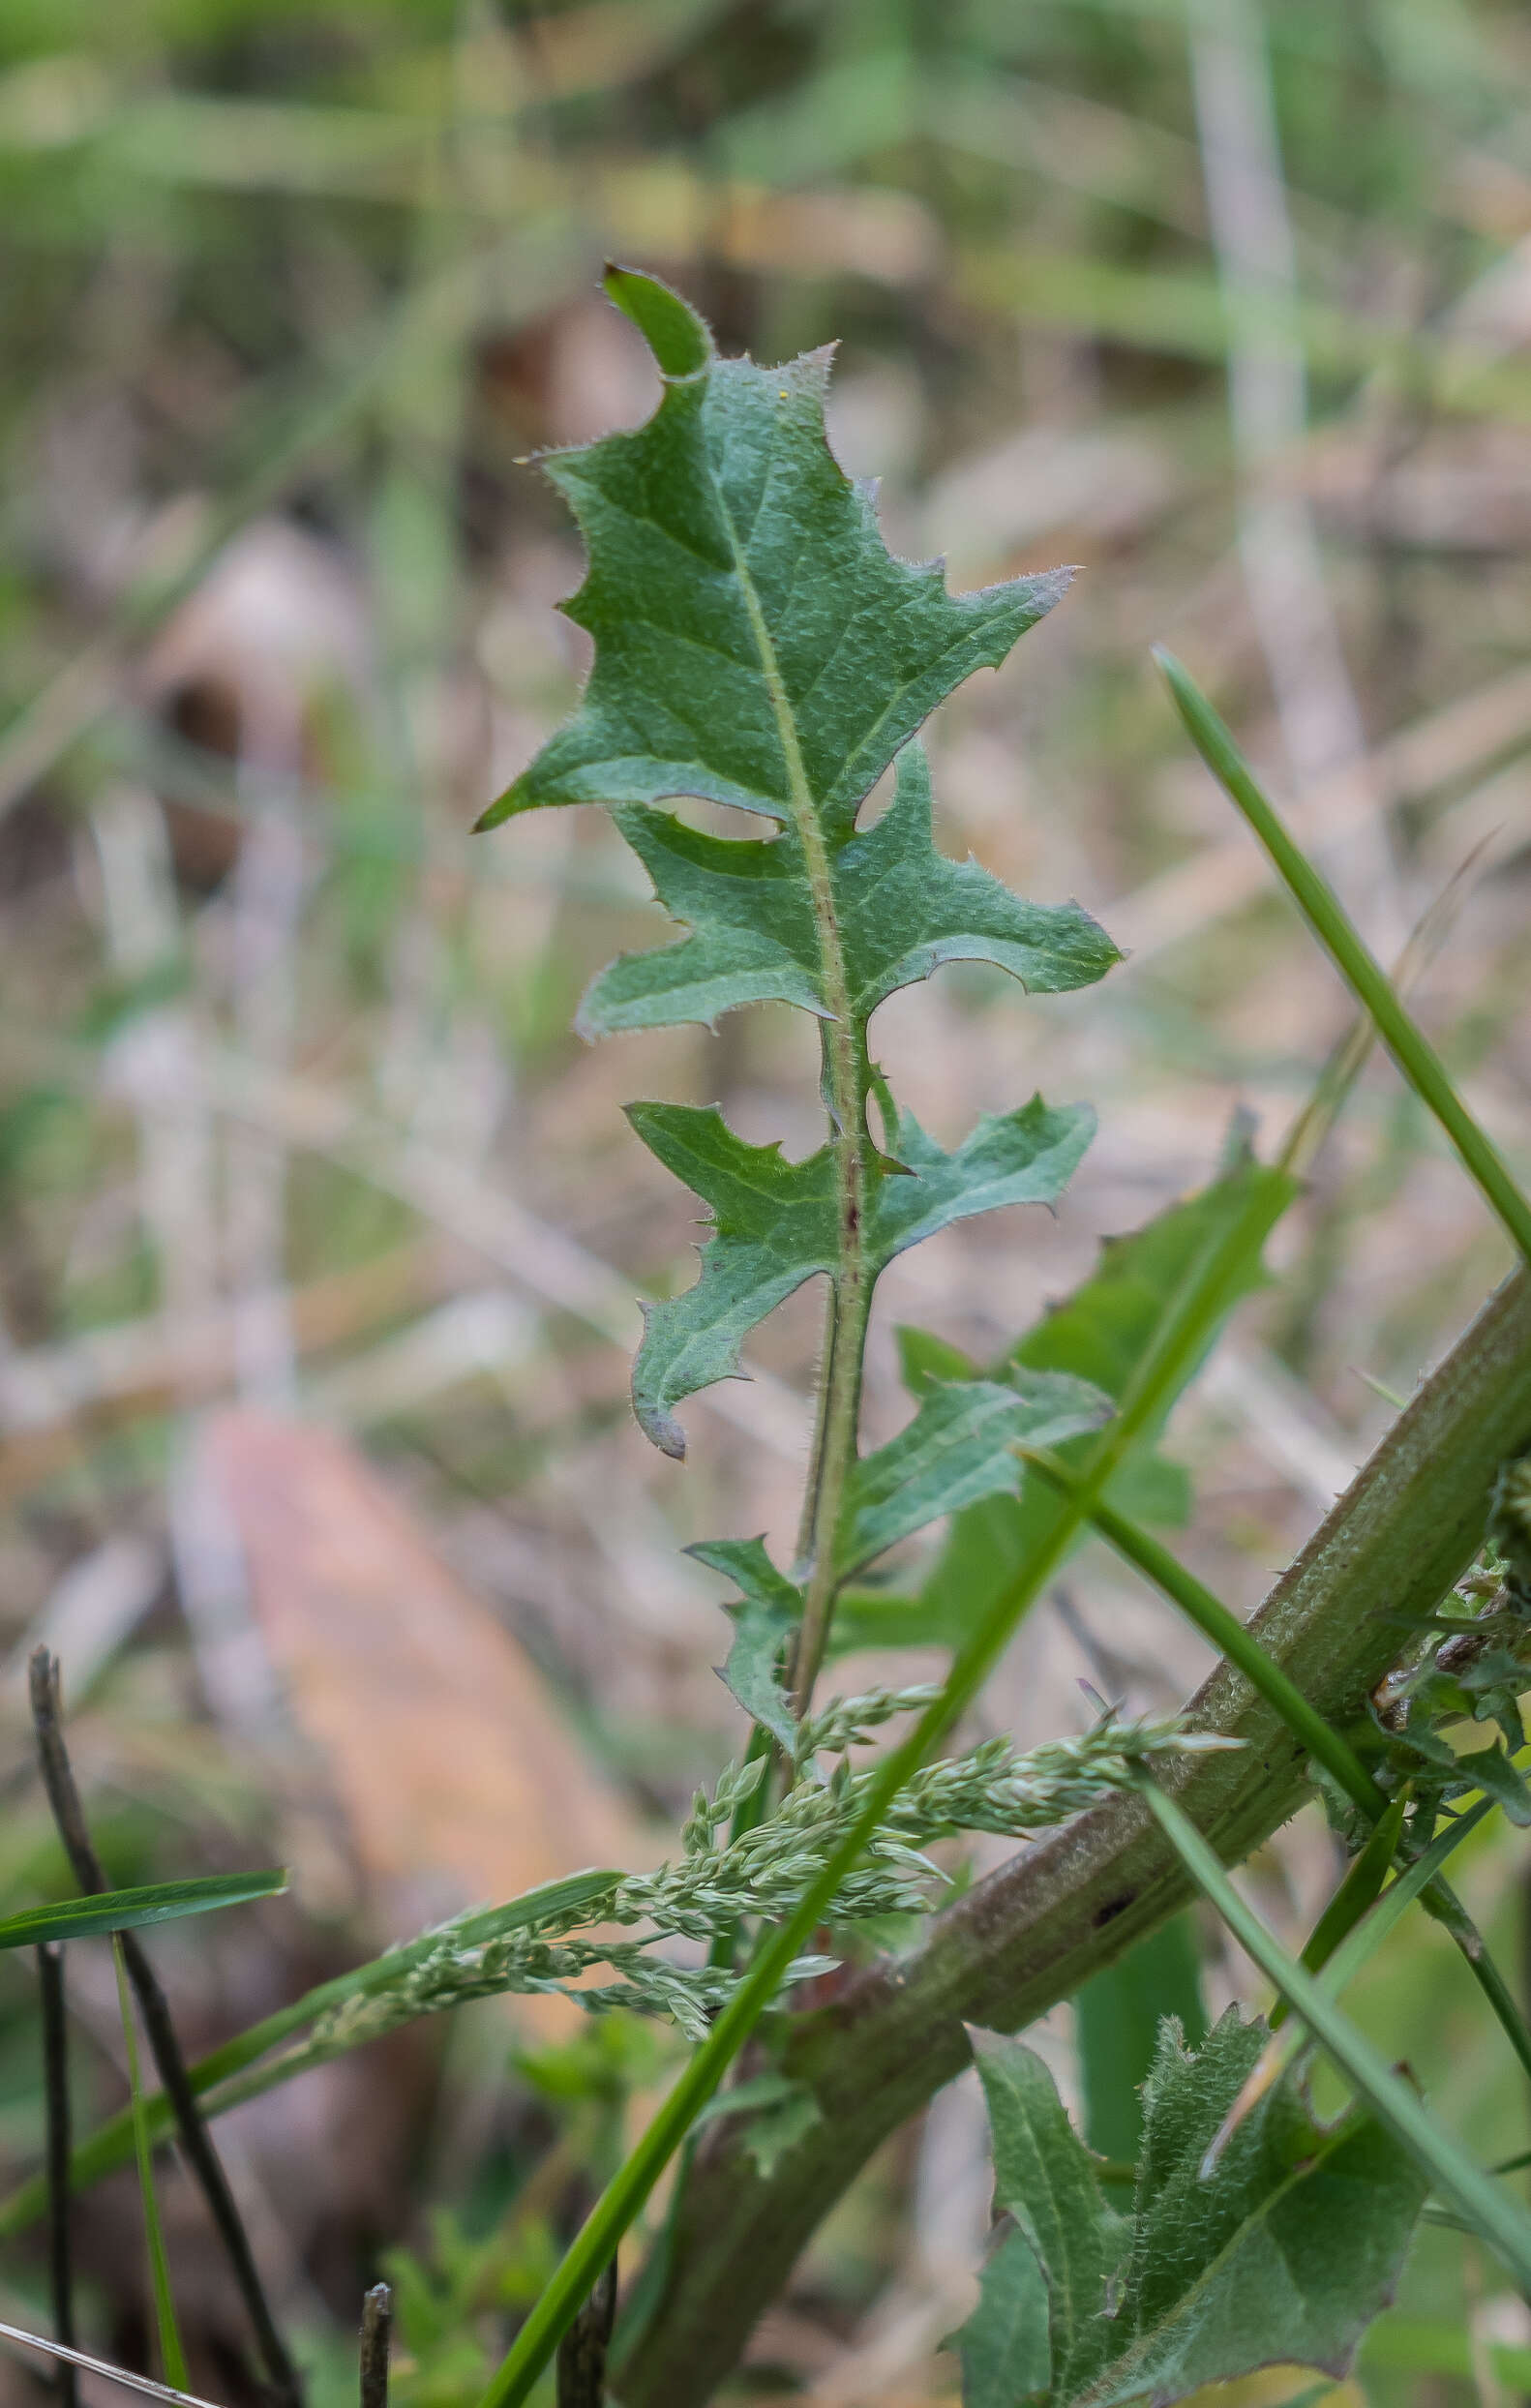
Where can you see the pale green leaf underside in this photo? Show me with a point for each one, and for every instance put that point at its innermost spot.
(902, 909)
(1283, 2256)
(775, 1226)
(959, 1446)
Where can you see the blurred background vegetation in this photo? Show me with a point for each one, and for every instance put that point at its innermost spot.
(319, 1232)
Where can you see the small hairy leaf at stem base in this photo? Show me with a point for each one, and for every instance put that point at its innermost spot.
(1118, 2016)
(1006, 2356)
(1046, 2179)
(1283, 2256)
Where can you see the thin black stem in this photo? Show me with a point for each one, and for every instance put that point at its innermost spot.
(63, 1797)
(581, 2351)
(377, 2334)
(55, 2093)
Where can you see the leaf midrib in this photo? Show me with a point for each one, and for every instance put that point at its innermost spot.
(834, 1449)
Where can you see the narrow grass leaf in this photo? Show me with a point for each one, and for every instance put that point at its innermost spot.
(127, 1910)
(1364, 975)
(1356, 1895)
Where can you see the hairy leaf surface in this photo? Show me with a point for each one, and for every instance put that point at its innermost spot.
(1282, 2255)
(1006, 2356)
(776, 1224)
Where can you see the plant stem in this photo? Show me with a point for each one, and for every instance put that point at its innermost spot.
(55, 2091)
(171, 2353)
(1228, 1634)
(845, 1090)
(203, 2159)
(582, 2353)
(1188, 1322)
(1029, 1934)
(1364, 975)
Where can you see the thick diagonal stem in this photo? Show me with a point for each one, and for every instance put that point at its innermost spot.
(1026, 1937)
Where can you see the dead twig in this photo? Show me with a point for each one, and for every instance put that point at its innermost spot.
(581, 2351)
(63, 1797)
(55, 2093)
(376, 2336)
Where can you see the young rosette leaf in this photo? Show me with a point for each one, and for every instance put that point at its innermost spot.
(1282, 2255)
(777, 1223)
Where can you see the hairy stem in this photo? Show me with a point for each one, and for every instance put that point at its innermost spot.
(1029, 1934)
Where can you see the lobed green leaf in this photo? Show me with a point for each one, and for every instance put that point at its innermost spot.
(901, 907)
(1100, 1334)
(766, 1614)
(756, 642)
(960, 1445)
(775, 1226)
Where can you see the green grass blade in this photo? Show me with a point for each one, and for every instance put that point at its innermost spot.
(171, 2355)
(1496, 2217)
(127, 1909)
(112, 2145)
(1365, 1934)
(1356, 1895)
(1364, 975)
